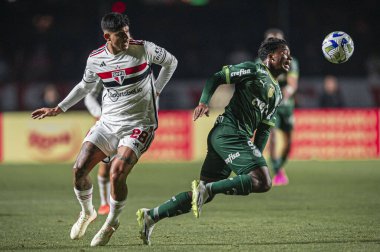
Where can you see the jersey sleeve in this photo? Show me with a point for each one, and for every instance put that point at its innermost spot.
(160, 56)
(81, 89)
(89, 75)
(212, 84)
(235, 73)
(270, 121)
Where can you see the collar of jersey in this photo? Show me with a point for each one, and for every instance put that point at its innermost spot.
(109, 53)
(270, 75)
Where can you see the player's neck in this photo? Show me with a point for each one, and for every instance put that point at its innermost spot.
(112, 49)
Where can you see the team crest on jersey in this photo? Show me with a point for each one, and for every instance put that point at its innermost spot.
(271, 91)
(119, 76)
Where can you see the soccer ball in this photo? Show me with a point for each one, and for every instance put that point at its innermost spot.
(337, 47)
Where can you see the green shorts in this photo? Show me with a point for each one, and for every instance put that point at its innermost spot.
(230, 149)
(285, 118)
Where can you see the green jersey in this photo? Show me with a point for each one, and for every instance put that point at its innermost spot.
(256, 97)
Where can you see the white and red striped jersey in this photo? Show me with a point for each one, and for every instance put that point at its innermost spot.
(130, 90)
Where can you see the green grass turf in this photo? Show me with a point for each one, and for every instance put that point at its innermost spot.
(328, 206)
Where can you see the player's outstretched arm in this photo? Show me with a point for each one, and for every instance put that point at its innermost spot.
(200, 110)
(44, 112)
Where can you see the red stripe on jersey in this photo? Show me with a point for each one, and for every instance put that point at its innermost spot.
(129, 70)
(96, 53)
(97, 50)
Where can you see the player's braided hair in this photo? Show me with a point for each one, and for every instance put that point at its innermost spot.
(113, 22)
(270, 45)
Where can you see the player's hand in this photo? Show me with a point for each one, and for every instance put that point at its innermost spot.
(200, 110)
(44, 112)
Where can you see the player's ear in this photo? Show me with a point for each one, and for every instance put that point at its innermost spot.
(271, 57)
(106, 36)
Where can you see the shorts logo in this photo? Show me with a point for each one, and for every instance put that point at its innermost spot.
(256, 152)
(231, 157)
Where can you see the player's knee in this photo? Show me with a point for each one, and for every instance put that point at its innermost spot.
(118, 172)
(79, 172)
(260, 183)
(266, 185)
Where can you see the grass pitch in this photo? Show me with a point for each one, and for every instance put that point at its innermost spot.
(328, 206)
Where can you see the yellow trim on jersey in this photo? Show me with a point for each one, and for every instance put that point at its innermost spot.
(268, 123)
(227, 72)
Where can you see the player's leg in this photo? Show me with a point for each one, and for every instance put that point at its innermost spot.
(280, 177)
(181, 203)
(275, 158)
(133, 143)
(244, 159)
(88, 157)
(213, 169)
(147, 218)
(104, 187)
(121, 166)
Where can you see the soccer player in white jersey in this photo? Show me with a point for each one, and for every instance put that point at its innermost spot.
(93, 106)
(128, 121)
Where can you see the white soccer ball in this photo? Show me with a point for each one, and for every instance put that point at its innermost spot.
(337, 47)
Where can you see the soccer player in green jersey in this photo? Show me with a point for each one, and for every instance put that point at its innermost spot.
(284, 116)
(249, 113)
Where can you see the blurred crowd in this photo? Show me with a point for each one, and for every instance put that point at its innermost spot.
(45, 44)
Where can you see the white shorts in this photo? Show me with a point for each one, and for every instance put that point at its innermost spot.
(138, 138)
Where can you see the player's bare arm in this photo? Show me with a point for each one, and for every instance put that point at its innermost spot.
(41, 113)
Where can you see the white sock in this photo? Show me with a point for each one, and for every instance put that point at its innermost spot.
(115, 209)
(85, 200)
(104, 189)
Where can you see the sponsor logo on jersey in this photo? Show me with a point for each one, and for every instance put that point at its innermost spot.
(114, 95)
(103, 64)
(159, 53)
(260, 105)
(262, 71)
(241, 72)
(231, 157)
(262, 82)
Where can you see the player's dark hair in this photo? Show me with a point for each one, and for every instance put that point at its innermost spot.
(273, 31)
(114, 21)
(270, 45)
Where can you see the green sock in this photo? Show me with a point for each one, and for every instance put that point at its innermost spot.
(177, 205)
(277, 164)
(238, 185)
